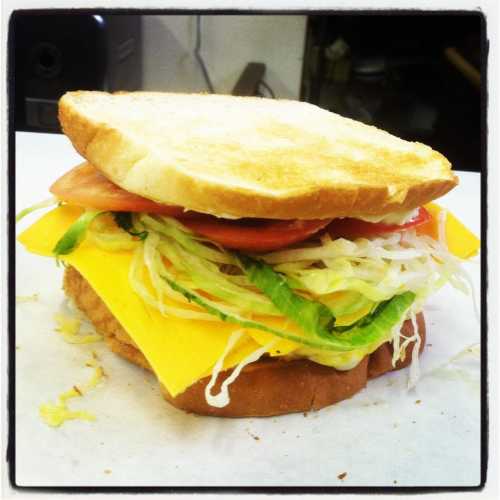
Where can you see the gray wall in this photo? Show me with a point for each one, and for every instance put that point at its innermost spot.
(228, 43)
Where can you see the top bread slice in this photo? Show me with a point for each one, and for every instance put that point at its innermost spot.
(250, 157)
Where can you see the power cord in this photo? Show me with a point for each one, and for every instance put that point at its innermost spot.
(268, 88)
(199, 57)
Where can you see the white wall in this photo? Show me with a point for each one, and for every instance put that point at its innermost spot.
(228, 43)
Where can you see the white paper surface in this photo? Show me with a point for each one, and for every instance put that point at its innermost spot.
(380, 437)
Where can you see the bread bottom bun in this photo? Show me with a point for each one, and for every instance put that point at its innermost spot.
(270, 386)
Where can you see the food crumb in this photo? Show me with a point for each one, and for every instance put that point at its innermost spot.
(107, 471)
(413, 421)
(256, 438)
(418, 401)
(395, 482)
(342, 476)
(26, 298)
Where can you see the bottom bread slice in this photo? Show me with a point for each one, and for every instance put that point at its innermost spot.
(270, 386)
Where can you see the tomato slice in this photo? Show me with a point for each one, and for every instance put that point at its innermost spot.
(255, 235)
(85, 186)
(355, 228)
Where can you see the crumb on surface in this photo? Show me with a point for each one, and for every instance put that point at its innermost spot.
(253, 436)
(418, 401)
(27, 298)
(342, 475)
(107, 471)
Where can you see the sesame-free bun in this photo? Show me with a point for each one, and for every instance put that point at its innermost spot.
(250, 157)
(270, 386)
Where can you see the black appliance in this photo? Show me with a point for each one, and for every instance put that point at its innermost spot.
(54, 53)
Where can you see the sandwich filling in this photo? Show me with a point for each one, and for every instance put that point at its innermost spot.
(328, 290)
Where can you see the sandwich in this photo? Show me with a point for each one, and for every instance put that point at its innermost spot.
(260, 257)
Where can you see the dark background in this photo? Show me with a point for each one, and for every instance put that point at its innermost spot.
(395, 72)
(416, 76)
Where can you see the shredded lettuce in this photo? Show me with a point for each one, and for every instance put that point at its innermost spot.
(377, 268)
(381, 321)
(222, 398)
(76, 233)
(37, 206)
(310, 284)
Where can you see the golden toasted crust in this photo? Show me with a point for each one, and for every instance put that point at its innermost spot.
(250, 157)
(263, 387)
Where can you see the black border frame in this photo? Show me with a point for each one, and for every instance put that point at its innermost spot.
(10, 454)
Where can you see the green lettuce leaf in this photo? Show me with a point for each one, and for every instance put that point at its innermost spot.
(313, 317)
(76, 233)
(377, 328)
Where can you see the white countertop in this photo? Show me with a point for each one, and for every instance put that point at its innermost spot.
(380, 437)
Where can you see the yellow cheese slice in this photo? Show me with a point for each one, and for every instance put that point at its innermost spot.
(460, 241)
(180, 351)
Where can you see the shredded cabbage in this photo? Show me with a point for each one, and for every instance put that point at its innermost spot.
(414, 366)
(187, 276)
(378, 268)
(37, 206)
(222, 399)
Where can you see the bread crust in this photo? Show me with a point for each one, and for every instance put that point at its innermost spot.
(250, 157)
(263, 387)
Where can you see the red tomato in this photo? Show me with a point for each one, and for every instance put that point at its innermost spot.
(85, 186)
(255, 235)
(355, 228)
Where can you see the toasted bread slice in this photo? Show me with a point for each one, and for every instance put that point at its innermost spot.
(270, 386)
(250, 157)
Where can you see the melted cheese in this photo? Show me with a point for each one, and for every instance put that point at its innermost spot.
(180, 351)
